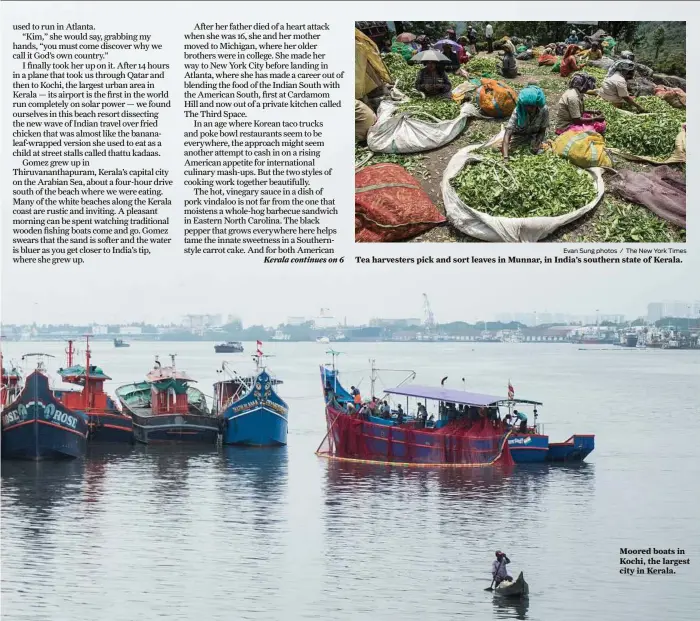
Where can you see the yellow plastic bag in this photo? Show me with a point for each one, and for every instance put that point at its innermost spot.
(460, 92)
(370, 70)
(585, 149)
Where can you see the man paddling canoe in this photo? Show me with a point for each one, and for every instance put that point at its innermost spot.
(498, 568)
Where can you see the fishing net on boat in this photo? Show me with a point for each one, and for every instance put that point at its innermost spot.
(457, 444)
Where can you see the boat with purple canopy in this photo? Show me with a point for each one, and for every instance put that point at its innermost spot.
(455, 416)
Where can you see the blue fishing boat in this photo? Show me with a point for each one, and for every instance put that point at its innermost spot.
(107, 423)
(36, 425)
(529, 444)
(252, 413)
(166, 409)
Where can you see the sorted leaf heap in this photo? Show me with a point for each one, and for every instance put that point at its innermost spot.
(480, 65)
(526, 187)
(652, 134)
(440, 108)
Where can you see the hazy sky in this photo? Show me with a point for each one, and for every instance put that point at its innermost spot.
(137, 291)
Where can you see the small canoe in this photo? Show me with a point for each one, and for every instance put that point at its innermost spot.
(519, 588)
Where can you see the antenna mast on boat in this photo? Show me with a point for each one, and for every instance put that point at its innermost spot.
(87, 371)
(172, 361)
(69, 354)
(372, 378)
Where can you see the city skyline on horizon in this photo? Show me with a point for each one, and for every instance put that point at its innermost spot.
(654, 311)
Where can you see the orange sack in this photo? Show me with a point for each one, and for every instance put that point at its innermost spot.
(390, 205)
(496, 99)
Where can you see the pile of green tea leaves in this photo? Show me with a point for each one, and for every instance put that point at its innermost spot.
(413, 162)
(624, 222)
(528, 186)
(405, 74)
(480, 65)
(440, 108)
(651, 135)
(401, 71)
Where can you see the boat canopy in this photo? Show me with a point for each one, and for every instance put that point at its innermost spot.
(445, 394)
(453, 396)
(96, 373)
(160, 374)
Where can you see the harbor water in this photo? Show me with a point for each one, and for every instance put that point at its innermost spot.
(184, 533)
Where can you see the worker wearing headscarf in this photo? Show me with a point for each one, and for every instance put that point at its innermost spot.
(509, 66)
(571, 109)
(568, 63)
(614, 87)
(529, 120)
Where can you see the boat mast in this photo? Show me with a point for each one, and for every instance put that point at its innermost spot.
(87, 371)
(69, 354)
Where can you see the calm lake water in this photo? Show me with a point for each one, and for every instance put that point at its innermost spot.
(226, 534)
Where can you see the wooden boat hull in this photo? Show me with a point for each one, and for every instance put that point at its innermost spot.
(528, 448)
(111, 427)
(532, 448)
(38, 426)
(259, 418)
(227, 349)
(175, 429)
(518, 588)
(576, 448)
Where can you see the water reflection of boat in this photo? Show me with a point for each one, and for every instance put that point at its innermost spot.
(38, 487)
(507, 608)
(265, 471)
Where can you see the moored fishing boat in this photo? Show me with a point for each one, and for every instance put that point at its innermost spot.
(251, 411)
(107, 423)
(230, 347)
(121, 343)
(166, 409)
(467, 428)
(517, 588)
(36, 425)
(10, 383)
(528, 444)
(470, 438)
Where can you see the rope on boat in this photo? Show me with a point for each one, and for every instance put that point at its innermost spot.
(415, 465)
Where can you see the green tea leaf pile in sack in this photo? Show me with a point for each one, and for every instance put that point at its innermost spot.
(585, 149)
(390, 205)
(402, 74)
(655, 137)
(523, 201)
(521, 48)
(479, 65)
(556, 66)
(495, 99)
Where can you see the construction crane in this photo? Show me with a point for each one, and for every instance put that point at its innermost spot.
(428, 317)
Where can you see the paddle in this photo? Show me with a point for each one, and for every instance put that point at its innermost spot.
(494, 578)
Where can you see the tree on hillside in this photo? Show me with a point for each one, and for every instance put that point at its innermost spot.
(621, 31)
(433, 30)
(659, 39)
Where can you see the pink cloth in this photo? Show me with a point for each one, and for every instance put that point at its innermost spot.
(596, 126)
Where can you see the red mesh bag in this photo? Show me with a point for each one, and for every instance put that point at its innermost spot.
(456, 444)
(391, 206)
